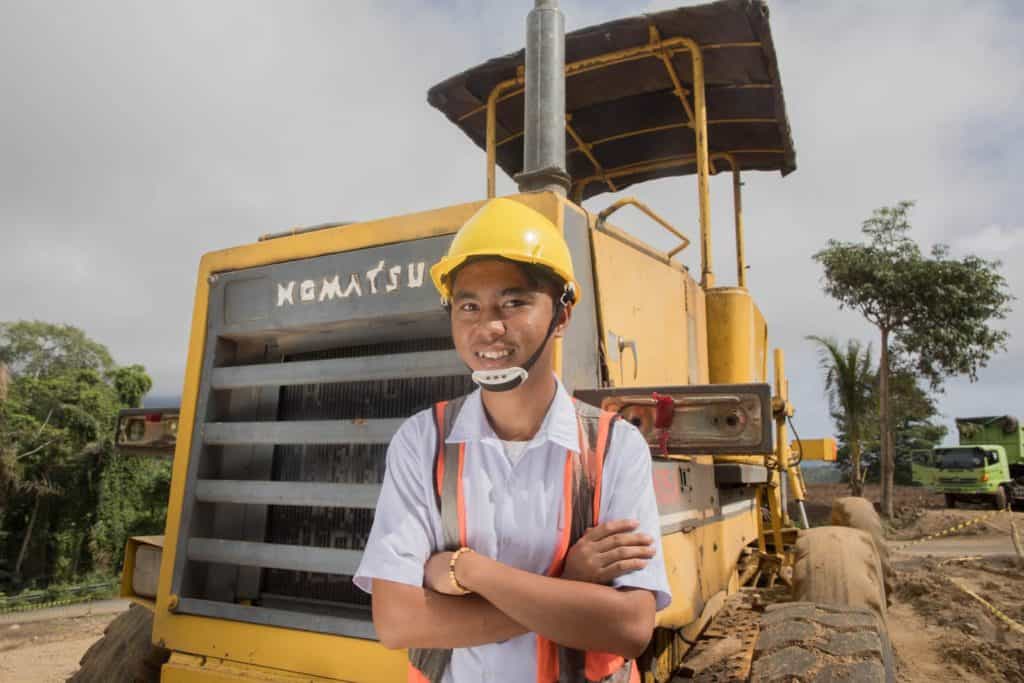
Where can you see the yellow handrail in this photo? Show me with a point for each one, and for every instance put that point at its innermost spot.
(633, 201)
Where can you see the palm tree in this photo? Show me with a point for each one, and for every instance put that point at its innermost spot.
(849, 382)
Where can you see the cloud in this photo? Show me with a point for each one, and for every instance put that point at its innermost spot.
(136, 137)
(991, 240)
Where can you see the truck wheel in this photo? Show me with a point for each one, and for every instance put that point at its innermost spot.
(951, 500)
(1000, 499)
(858, 513)
(803, 641)
(124, 653)
(836, 627)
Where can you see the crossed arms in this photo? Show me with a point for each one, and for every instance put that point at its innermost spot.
(578, 610)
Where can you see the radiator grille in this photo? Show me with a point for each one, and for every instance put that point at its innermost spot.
(286, 453)
(356, 464)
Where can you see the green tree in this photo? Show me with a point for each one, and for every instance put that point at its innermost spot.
(132, 501)
(56, 431)
(849, 377)
(35, 349)
(935, 311)
(914, 420)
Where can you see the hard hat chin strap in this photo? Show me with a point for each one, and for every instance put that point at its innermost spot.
(507, 379)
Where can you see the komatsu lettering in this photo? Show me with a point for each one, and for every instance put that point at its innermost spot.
(381, 279)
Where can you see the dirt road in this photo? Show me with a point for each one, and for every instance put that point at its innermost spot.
(44, 646)
(939, 632)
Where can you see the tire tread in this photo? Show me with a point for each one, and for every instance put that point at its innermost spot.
(124, 653)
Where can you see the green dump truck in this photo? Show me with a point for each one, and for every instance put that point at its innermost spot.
(986, 466)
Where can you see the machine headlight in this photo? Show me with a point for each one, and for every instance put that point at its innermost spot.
(135, 430)
(147, 570)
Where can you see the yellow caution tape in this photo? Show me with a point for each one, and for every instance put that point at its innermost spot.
(946, 532)
(992, 608)
(41, 605)
(17, 606)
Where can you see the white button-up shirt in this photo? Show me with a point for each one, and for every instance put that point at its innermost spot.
(513, 513)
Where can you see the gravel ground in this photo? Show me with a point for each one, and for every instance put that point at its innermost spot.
(44, 646)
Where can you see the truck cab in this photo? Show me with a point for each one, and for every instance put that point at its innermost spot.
(986, 466)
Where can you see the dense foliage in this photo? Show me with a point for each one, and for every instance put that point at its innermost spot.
(67, 501)
(934, 312)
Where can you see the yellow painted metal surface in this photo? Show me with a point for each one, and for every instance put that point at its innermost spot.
(701, 563)
(785, 409)
(311, 654)
(186, 668)
(697, 333)
(815, 449)
(722, 542)
(737, 337)
(760, 347)
(737, 204)
(315, 654)
(641, 304)
(682, 567)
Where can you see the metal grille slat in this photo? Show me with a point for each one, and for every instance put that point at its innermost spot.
(300, 432)
(302, 621)
(398, 366)
(310, 494)
(273, 556)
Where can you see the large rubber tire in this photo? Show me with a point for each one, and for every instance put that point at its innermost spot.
(951, 500)
(124, 653)
(838, 565)
(835, 629)
(1000, 499)
(858, 513)
(803, 641)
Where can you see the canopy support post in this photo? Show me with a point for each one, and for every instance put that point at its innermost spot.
(492, 125)
(737, 204)
(700, 131)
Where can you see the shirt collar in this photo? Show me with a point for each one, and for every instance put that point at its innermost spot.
(559, 425)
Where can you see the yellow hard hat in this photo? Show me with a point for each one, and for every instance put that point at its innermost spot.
(510, 230)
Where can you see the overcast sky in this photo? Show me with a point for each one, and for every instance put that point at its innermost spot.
(134, 137)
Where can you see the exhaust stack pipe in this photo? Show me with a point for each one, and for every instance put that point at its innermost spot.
(544, 167)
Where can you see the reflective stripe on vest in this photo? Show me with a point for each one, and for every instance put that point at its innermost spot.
(581, 500)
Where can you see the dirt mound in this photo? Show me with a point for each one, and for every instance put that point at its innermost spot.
(969, 635)
(921, 589)
(994, 662)
(907, 500)
(911, 523)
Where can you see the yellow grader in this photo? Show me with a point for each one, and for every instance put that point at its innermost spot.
(309, 347)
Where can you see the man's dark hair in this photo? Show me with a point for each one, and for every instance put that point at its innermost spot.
(539, 277)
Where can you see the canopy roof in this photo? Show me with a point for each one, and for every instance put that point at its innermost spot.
(626, 122)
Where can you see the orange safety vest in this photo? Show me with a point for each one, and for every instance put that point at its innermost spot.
(581, 499)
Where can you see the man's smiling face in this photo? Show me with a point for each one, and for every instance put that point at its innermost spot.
(500, 317)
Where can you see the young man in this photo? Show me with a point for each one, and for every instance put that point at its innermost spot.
(496, 606)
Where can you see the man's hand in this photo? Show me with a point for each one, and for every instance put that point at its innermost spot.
(435, 574)
(607, 551)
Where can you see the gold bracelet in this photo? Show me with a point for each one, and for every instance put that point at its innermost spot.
(451, 570)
